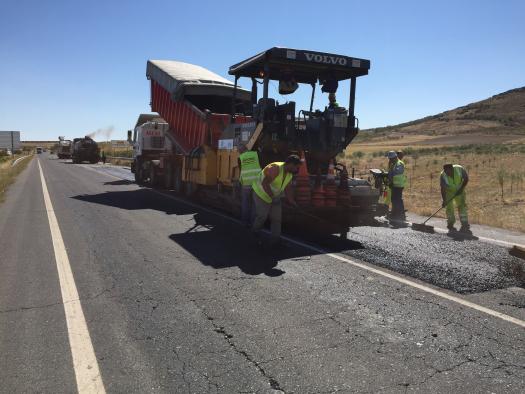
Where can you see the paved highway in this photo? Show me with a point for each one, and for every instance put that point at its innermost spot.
(111, 287)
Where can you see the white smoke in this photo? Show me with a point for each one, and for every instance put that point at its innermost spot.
(105, 133)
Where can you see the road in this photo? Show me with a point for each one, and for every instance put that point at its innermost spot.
(173, 297)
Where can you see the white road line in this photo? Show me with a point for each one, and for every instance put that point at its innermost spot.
(381, 272)
(85, 362)
(479, 237)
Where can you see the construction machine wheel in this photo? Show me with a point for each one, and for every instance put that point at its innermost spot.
(93, 161)
(168, 176)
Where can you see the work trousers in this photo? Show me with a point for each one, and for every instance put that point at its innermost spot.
(461, 204)
(247, 206)
(398, 207)
(262, 211)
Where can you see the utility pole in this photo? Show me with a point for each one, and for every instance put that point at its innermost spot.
(12, 143)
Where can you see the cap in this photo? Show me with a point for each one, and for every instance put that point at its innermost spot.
(391, 154)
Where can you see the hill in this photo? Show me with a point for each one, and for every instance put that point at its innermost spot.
(502, 114)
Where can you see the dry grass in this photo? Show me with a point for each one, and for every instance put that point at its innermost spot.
(8, 174)
(484, 199)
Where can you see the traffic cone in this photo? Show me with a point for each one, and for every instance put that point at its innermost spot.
(318, 196)
(303, 192)
(330, 187)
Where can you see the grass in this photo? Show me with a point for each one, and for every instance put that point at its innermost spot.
(8, 174)
(496, 189)
(112, 152)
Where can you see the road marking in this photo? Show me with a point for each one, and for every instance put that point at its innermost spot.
(479, 237)
(85, 362)
(381, 272)
(14, 163)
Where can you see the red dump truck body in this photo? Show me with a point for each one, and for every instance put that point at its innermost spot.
(194, 101)
(190, 126)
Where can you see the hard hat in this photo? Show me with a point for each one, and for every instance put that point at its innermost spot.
(391, 154)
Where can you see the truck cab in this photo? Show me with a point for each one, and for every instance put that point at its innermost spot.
(149, 142)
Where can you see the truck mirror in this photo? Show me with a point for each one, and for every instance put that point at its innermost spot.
(129, 135)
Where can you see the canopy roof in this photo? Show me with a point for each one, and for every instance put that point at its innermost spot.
(304, 65)
(184, 79)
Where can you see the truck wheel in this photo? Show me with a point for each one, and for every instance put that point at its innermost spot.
(139, 178)
(177, 180)
(168, 176)
(190, 188)
(153, 178)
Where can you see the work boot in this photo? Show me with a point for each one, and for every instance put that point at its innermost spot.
(451, 228)
(465, 228)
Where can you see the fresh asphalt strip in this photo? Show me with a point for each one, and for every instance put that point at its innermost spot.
(359, 264)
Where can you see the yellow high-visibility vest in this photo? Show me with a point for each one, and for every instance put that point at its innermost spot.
(454, 182)
(250, 167)
(278, 184)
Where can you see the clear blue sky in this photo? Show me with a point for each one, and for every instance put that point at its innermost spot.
(70, 67)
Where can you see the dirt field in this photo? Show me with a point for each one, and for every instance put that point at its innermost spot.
(487, 166)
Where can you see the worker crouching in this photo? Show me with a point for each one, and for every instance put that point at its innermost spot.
(453, 180)
(274, 181)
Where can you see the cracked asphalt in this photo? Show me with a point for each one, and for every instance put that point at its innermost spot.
(178, 299)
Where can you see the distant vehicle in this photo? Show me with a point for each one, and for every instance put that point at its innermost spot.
(39, 150)
(85, 149)
(64, 149)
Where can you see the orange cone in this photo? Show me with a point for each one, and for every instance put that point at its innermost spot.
(330, 187)
(303, 192)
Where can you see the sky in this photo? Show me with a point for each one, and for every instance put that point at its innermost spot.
(72, 67)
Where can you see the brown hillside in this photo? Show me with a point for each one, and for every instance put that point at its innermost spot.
(502, 114)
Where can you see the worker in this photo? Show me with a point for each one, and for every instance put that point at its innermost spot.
(453, 180)
(273, 181)
(249, 172)
(396, 182)
(103, 157)
(332, 101)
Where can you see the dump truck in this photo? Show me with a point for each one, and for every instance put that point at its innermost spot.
(204, 118)
(85, 149)
(64, 148)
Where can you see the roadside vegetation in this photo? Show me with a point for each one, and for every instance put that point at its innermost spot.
(496, 190)
(8, 173)
(111, 152)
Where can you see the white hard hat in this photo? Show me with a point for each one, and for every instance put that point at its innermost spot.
(391, 154)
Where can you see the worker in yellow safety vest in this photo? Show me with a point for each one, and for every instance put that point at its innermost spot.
(250, 170)
(453, 180)
(396, 182)
(273, 181)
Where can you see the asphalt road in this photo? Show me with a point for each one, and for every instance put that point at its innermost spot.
(177, 299)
